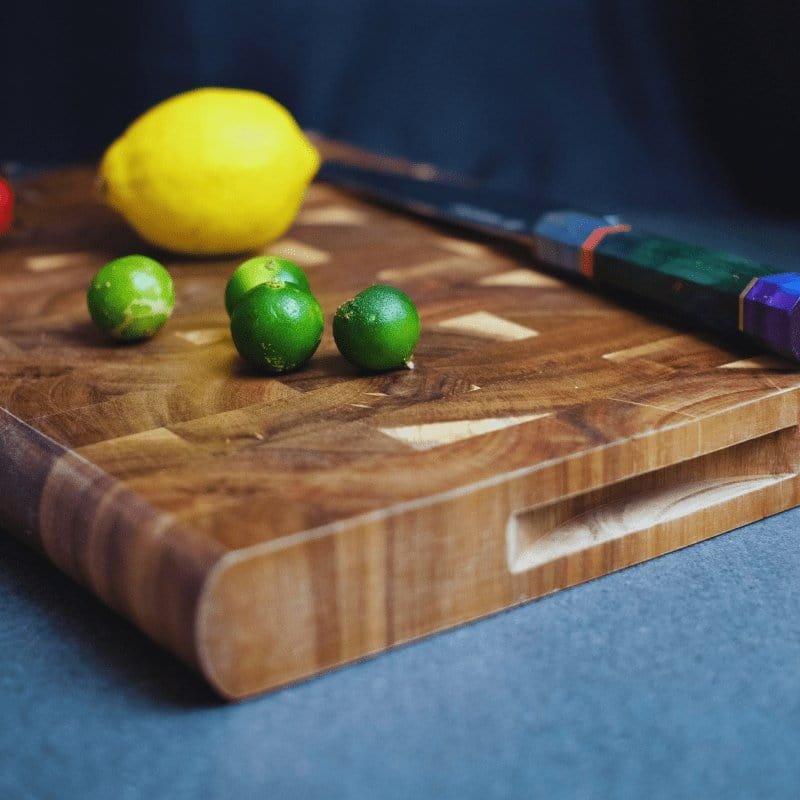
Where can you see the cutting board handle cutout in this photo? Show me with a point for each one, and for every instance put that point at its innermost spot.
(674, 496)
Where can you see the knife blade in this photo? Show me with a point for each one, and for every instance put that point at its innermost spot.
(705, 287)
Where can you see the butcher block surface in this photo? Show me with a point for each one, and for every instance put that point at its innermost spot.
(267, 528)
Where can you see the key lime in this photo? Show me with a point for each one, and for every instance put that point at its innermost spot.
(131, 297)
(277, 327)
(378, 329)
(258, 270)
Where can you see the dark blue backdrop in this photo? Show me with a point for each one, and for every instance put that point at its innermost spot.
(682, 103)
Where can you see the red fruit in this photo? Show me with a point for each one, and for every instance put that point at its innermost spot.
(6, 206)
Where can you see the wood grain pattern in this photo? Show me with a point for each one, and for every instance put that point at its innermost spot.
(265, 529)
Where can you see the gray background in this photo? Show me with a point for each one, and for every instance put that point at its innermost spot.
(676, 678)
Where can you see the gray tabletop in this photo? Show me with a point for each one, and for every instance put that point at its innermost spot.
(676, 678)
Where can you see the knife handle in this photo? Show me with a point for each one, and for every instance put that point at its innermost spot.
(704, 286)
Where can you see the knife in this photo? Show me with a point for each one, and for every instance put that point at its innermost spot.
(706, 287)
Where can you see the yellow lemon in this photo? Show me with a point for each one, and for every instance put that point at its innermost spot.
(211, 171)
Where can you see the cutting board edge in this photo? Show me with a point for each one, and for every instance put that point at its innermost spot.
(85, 540)
(271, 617)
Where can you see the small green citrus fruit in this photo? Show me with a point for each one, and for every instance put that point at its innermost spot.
(131, 297)
(277, 327)
(258, 270)
(378, 329)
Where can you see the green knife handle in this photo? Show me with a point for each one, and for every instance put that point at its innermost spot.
(703, 286)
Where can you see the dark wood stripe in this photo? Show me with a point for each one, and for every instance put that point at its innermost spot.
(142, 562)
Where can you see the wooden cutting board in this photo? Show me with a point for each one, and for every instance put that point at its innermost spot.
(265, 529)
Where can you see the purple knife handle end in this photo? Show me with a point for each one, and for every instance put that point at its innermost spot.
(769, 310)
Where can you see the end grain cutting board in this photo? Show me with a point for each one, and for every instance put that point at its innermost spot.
(265, 529)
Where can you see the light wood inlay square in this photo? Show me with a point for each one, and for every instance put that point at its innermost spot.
(436, 434)
(204, 336)
(761, 362)
(302, 253)
(490, 326)
(51, 261)
(522, 277)
(332, 215)
(463, 247)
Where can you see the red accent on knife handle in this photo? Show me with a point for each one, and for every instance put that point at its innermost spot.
(591, 242)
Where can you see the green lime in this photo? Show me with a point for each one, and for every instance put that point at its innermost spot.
(378, 329)
(277, 327)
(131, 297)
(258, 270)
